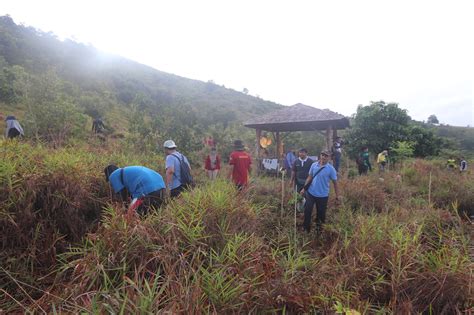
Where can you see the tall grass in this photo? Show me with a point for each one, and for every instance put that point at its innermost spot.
(68, 249)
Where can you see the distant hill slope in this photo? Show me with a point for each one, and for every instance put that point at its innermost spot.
(116, 80)
(462, 136)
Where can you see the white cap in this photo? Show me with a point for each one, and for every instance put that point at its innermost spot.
(169, 144)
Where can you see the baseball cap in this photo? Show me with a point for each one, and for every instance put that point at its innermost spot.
(169, 144)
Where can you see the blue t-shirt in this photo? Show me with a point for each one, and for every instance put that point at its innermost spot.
(139, 180)
(173, 162)
(320, 184)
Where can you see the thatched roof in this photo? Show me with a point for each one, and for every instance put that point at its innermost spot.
(299, 117)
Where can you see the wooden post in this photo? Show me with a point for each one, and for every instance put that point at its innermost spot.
(329, 137)
(257, 146)
(257, 150)
(279, 147)
(429, 192)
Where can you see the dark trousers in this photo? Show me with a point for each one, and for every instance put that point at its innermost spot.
(321, 206)
(363, 170)
(13, 133)
(152, 200)
(337, 161)
(176, 191)
(299, 187)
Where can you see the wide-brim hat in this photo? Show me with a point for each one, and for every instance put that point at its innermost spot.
(238, 145)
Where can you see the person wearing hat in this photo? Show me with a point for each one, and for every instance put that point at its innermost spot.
(316, 190)
(212, 164)
(241, 162)
(175, 182)
(144, 185)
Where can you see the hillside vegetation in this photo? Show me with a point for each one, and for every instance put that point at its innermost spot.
(43, 78)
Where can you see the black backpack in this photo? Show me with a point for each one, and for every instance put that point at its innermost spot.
(186, 178)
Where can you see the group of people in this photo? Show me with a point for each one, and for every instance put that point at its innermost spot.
(461, 164)
(147, 188)
(14, 129)
(363, 161)
(311, 179)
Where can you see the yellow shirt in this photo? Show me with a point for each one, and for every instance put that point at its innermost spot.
(451, 163)
(381, 158)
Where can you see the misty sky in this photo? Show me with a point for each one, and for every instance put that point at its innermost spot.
(327, 54)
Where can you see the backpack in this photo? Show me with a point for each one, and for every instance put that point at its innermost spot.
(186, 178)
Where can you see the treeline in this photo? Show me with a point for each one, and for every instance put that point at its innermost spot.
(381, 126)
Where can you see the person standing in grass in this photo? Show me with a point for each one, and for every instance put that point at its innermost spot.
(382, 160)
(290, 159)
(300, 169)
(145, 186)
(316, 191)
(300, 172)
(337, 153)
(98, 126)
(463, 165)
(241, 165)
(363, 161)
(213, 164)
(176, 164)
(451, 164)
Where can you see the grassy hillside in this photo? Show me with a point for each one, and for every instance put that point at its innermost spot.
(42, 78)
(462, 138)
(393, 246)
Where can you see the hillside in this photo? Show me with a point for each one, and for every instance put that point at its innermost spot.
(48, 82)
(462, 137)
(101, 84)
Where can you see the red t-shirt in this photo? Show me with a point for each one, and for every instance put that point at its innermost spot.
(241, 161)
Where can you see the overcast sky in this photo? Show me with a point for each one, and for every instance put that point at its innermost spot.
(327, 54)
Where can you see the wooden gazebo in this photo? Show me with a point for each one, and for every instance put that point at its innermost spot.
(298, 117)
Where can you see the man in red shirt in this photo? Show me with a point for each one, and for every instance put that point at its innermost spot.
(241, 161)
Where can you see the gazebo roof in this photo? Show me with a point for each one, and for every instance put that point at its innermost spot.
(299, 117)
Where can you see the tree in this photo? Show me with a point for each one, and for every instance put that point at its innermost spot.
(401, 150)
(433, 120)
(426, 143)
(245, 91)
(377, 127)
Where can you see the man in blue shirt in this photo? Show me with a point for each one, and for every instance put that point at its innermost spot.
(144, 185)
(316, 190)
(173, 169)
